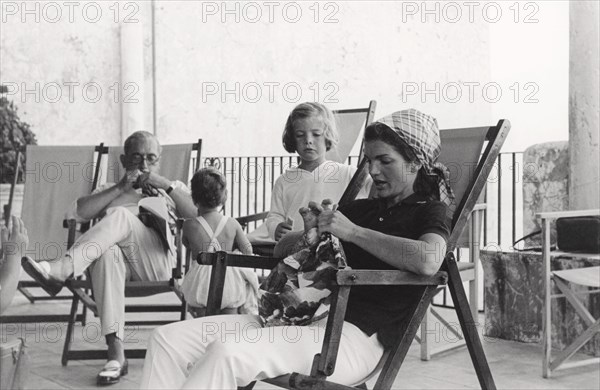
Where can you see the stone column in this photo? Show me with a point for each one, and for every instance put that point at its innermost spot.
(132, 78)
(584, 123)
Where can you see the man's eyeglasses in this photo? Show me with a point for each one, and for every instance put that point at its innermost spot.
(137, 158)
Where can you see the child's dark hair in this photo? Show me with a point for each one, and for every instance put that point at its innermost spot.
(209, 188)
(308, 110)
(425, 184)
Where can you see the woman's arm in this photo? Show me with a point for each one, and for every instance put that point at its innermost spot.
(423, 256)
(14, 242)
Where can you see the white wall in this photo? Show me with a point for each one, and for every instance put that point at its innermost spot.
(532, 51)
(369, 53)
(373, 51)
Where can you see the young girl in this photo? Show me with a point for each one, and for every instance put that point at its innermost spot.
(310, 131)
(209, 232)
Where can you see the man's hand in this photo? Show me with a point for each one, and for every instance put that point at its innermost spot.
(151, 180)
(129, 180)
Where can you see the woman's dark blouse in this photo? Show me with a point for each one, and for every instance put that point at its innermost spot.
(383, 309)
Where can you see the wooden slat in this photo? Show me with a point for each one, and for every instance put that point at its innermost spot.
(400, 348)
(333, 332)
(575, 345)
(468, 325)
(245, 220)
(388, 277)
(96, 354)
(217, 284)
(27, 319)
(235, 260)
(576, 303)
(305, 382)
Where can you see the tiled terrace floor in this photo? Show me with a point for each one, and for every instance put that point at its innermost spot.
(514, 365)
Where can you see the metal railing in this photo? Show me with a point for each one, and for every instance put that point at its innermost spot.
(250, 181)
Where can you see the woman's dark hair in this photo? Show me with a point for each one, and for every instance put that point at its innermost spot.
(426, 185)
(209, 188)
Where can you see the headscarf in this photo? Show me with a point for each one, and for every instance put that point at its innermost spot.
(420, 132)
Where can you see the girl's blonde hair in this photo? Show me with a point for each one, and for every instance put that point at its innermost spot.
(308, 110)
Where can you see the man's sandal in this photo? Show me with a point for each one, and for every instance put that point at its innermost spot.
(40, 272)
(112, 372)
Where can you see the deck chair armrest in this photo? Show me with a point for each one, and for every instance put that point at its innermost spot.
(237, 260)
(375, 277)
(245, 220)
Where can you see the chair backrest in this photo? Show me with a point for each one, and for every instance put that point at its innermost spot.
(461, 150)
(350, 124)
(469, 168)
(55, 176)
(175, 162)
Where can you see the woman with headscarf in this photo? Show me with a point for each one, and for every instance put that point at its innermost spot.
(405, 227)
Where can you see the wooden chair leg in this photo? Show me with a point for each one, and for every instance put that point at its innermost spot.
(468, 325)
(392, 366)
(475, 235)
(425, 342)
(70, 326)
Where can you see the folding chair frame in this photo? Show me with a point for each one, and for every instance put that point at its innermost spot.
(80, 287)
(324, 363)
(560, 362)
(24, 285)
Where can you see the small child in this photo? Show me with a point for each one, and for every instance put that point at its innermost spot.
(210, 232)
(310, 131)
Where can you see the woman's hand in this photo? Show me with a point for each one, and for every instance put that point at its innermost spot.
(333, 221)
(14, 239)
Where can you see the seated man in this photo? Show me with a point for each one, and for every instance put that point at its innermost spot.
(119, 247)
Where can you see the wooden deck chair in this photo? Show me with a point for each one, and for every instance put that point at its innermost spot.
(587, 277)
(389, 365)
(350, 123)
(461, 150)
(175, 164)
(54, 178)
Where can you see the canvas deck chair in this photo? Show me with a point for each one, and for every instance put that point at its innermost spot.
(54, 178)
(565, 281)
(175, 164)
(461, 150)
(389, 365)
(350, 124)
